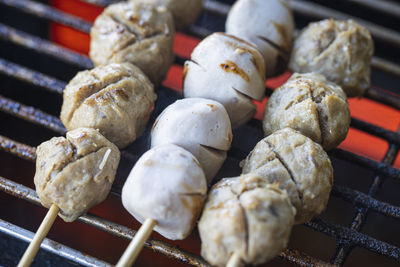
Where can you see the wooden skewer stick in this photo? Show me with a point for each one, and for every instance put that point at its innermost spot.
(41, 233)
(136, 245)
(235, 261)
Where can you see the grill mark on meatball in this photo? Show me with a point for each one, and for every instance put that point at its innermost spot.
(317, 101)
(70, 160)
(283, 162)
(231, 67)
(104, 85)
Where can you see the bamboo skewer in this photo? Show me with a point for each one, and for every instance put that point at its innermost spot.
(136, 245)
(235, 261)
(41, 233)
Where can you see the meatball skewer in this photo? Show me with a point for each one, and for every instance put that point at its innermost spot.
(72, 175)
(173, 205)
(189, 142)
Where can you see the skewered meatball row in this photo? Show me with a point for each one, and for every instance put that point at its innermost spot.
(183, 11)
(137, 33)
(312, 105)
(269, 25)
(247, 216)
(228, 70)
(168, 185)
(75, 172)
(198, 125)
(117, 99)
(339, 50)
(299, 165)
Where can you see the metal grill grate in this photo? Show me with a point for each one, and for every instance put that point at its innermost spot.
(346, 237)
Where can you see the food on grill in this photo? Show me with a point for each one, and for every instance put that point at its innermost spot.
(299, 165)
(339, 50)
(267, 24)
(228, 70)
(313, 106)
(117, 99)
(183, 11)
(167, 185)
(200, 126)
(136, 33)
(246, 216)
(75, 172)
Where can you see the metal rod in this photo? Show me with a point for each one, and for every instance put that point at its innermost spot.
(17, 149)
(27, 75)
(378, 167)
(44, 47)
(50, 13)
(343, 233)
(389, 8)
(32, 115)
(390, 136)
(52, 246)
(366, 201)
(344, 248)
(384, 97)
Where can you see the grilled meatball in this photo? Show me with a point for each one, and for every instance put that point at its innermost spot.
(312, 105)
(117, 99)
(136, 33)
(267, 24)
(183, 11)
(76, 172)
(247, 216)
(339, 50)
(299, 165)
(200, 126)
(228, 70)
(167, 185)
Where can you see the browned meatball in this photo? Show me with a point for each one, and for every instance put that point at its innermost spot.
(76, 172)
(117, 99)
(247, 216)
(339, 50)
(313, 106)
(184, 11)
(299, 165)
(136, 33)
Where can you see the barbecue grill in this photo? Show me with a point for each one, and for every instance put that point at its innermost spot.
(34, 71)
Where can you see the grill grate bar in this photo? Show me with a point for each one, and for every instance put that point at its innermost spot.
(379, 167)
(343, 249)
(384, 97)
(342, 233)
(390, 136)
(30, 76)
(32, 115)
(51, 246)
(47, 12)
(383, 6)
(366, 201)
(17, 149)
(30, 195)
(44, 47)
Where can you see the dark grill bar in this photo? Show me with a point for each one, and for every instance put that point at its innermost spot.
(47, 12)
(42, 46)
(30, 76)
(343, 249)
(346, 237)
